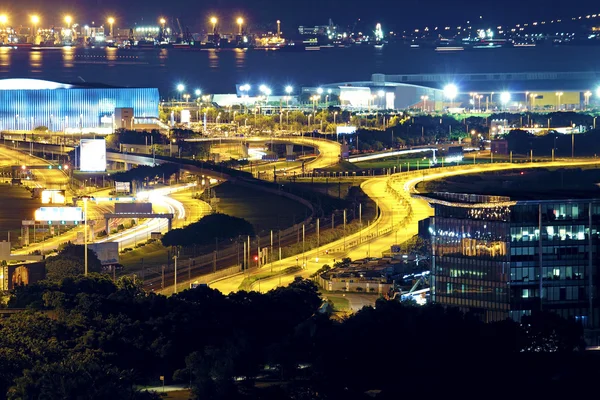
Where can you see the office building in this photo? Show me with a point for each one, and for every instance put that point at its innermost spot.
(27, 104)
(501, 258)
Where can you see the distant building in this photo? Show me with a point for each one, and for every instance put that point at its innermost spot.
(26, 104)
(499, 146)
(366, 276)
(501, 258)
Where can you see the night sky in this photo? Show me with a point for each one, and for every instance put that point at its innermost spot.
(393, 14)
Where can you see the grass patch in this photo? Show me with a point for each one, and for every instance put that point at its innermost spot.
(248, 282)
(263, 210)
(342, 167)
(154, 255)
(179, 395)
(339, 302)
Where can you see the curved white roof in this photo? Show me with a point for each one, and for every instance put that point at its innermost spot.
(31, 84)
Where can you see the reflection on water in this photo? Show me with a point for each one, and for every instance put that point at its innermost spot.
(163, 56)
(240, 58)
(111, 56)
(35, 61)
(4, 59)
(68, 56)
(218, 71)
(213, 58)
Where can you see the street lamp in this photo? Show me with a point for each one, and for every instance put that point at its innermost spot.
(320, 90)
(85, 229)
(180, 89)
(240, 22)
(504, 98)
(198, 92)
(213, 21)
(587, 96)
(186, 97)
(68, 21)
(533, 96)
(558, 95)
(424, 99)
(111, 22)
(450, 92)
(35, 20)
(3, 19)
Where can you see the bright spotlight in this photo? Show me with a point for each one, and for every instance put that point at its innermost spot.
(198, 92)
(289, 89)
(381, 93)
(262, 88)
(320, 90)
(180, 88)
(451, 91)
(504, 97)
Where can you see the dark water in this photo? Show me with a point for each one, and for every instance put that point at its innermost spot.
(217, 71)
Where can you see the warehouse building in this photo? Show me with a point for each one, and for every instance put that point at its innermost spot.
(27, 104)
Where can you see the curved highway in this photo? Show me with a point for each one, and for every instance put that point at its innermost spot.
(398, 221)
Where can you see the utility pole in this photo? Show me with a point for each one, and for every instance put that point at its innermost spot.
(303, 254)
(175, 286)
(318, 237)
(360, 214)
(271, 251)
(344, 229)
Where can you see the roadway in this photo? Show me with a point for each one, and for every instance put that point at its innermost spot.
(398, 221)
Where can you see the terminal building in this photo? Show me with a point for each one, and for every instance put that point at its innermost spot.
(27, 104)
(476, 91)
(500, 258)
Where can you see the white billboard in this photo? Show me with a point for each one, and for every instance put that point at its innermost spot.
(345, 129)
(122, 187)
(92, 155)
(185, 116)
(53, 197)
(70, 214)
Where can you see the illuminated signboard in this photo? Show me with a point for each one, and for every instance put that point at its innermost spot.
(122, 187)
(92, 155)
(345, 130)
(71, 214)
(53, 197)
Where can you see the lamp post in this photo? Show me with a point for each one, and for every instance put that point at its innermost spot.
(278, 28)
(587, 96)
(424, 99)
(450, 92)
(526, 100)
(213, 21)
(180, 89)
(34, 20)
(533, 96)
(175, 285)
(85, 228)
(111, 22)
(558, 96)
(240, 22)
(68, 21)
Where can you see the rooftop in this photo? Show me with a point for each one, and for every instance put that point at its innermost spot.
(512, 187)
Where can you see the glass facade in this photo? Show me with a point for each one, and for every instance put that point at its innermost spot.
(507, 260)
(67, 107)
